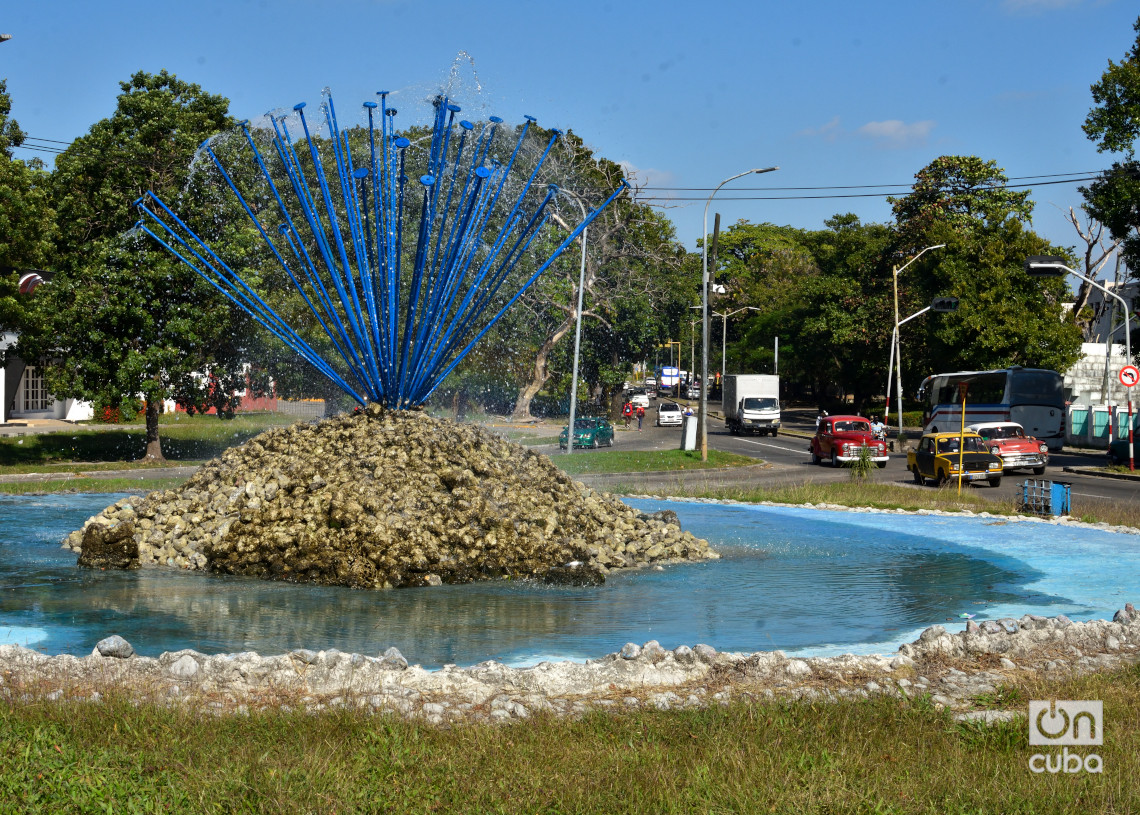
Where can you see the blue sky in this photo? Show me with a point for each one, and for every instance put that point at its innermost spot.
(685, 94)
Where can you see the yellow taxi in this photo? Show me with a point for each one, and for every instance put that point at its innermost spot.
(938, 456)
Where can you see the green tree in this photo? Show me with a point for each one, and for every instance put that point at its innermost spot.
(26, 222)
(1005, 317)
(123, 317)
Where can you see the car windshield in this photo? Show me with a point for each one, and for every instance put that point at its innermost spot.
(973, 445)
(1007, 431)
(761, 403)
(852, 427)
(583, 424)
(669, 407)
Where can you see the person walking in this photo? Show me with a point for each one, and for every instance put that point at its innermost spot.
(627, 412)
(640, 416)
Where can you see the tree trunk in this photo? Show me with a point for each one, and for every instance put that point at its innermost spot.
(153, 445)
(541, 375)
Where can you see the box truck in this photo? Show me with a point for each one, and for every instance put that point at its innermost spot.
(751, 403)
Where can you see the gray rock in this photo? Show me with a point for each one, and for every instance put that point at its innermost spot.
(684, 655)
(705, 653)
(393, 660)
(653, 652)
(115, 646)
(185, 667)
(1008, 664)
(630, 650)
(934, 632)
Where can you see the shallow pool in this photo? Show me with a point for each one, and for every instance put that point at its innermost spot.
(803, 580)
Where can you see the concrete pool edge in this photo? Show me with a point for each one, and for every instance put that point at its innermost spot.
(951, 669)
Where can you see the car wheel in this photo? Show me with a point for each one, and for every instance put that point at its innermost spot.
(918, 479)
(834, 459)
(1115, 460)
(1039, 471)
(815, 459)
(610, 443)
(941, 479)
(995, 482)
(880, 464)
(594, 444)
(774, 433)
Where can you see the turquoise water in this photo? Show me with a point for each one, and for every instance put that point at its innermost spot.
(802, 580)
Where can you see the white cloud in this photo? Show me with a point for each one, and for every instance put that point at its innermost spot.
(830, 131)
(895, 133)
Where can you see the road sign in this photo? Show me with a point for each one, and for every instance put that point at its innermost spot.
(944, 304)
(1129, 375)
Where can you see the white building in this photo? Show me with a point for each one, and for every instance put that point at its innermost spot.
(22, 392)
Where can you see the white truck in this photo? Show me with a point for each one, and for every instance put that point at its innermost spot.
(751, 403)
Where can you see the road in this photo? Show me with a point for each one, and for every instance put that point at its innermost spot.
(789, 463)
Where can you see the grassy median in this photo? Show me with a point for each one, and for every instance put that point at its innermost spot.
(880, 755)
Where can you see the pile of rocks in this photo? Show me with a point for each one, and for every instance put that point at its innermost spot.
(951, 669)
(383, 499)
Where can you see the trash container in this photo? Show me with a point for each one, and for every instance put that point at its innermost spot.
(689, 433)
(1046, 497)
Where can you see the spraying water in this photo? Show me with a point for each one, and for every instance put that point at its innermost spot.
(403, 277)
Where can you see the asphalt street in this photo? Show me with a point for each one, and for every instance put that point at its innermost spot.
(788, 462)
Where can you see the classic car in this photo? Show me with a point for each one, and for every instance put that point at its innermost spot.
(839, 439)
(1118, 450)
(939, 455)
(589, 432)
(1007, 441)
(669, 413)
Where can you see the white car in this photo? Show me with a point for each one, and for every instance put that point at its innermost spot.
(639, 400)
(693, 392)
(669, 414)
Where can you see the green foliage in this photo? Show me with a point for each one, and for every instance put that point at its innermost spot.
(26, 223)
(961, 192)
(1114, 124)
(122, 317)
(861, 468)
(1114, 121)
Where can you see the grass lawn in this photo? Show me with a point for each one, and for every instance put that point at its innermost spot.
(185, 439)
(879, 755)
(583, 462)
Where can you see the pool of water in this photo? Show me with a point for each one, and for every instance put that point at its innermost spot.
(802, 580)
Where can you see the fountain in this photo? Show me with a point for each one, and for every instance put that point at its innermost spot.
(389, 496)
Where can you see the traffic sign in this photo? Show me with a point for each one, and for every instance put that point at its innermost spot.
(1129, 375)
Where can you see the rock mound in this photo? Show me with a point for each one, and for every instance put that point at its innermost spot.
(382, 499)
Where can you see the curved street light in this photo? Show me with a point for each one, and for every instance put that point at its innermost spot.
(577, 327)
(702, 419)
(896, 344)
(1047, 266)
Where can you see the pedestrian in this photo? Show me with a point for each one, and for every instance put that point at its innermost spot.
(819, 419)
(627, 412)
(640, 416)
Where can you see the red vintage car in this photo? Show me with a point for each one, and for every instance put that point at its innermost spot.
(1007, 441)
(840, 438)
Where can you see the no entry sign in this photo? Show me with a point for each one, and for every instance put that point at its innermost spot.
(1129, 375)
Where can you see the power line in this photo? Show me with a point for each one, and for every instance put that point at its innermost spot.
(863, 186)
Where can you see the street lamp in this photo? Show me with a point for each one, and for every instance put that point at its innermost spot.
(702, 419)
(895, 340)
(1046, 266)
(724, 334)
(578, 325)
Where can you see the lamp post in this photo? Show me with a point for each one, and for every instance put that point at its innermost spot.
(577, 327)
(896, 344)
(1046, 266)
(724, 334)
(702, 419)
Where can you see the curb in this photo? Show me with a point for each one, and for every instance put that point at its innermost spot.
(1101, 473)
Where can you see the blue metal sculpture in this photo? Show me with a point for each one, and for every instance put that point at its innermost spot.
(398, 334)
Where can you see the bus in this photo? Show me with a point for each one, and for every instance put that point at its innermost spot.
(1032, 397)
(668, 378)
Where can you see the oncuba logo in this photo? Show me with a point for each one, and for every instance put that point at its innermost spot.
(1063, 724)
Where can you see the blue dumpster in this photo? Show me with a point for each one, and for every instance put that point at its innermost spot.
(1046, 497)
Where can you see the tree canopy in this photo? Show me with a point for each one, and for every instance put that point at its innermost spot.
(122, 317)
